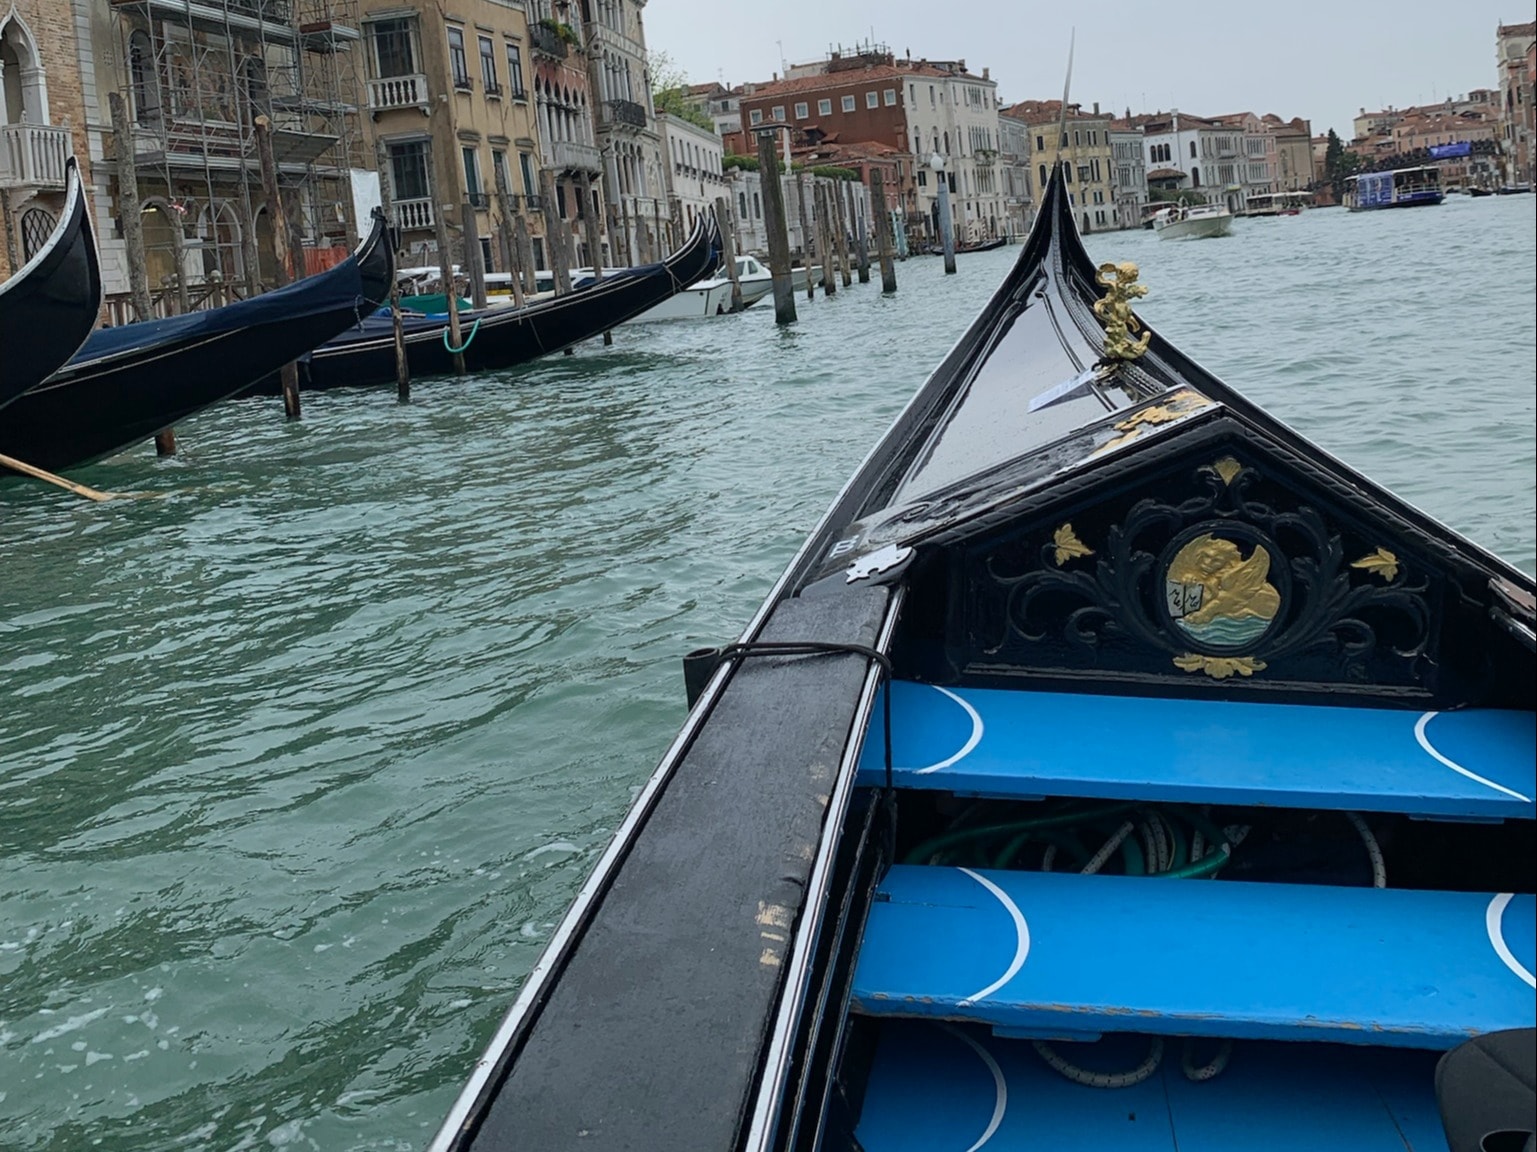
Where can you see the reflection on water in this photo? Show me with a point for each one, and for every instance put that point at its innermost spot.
(302, 757)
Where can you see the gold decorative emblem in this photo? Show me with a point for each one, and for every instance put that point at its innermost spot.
(1217, 595)
(1382, 562)
(1114, 311)
(1183, 403)
(1068, 546)
(1227, 468)
(1219, 667)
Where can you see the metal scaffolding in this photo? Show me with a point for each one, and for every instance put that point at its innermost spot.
(200, 74)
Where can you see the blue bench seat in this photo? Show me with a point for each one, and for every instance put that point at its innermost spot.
(933, 1087)
(1048, 954)
(1005, 743)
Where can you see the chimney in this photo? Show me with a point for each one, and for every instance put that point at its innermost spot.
(1096, 107)
(987, 73)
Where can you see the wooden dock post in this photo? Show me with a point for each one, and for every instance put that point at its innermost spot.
(594, 240)
(387, 204)
(946, 225)
(825, 240)
(806, 240)
(861, 229)
(555, 245)
(882, 230)
(778, 236)
(836, 191)
(278, 215)
(133, 233)
(728, 251)
(474, 258)
(525, 246)
(511, 255)
(445, 260)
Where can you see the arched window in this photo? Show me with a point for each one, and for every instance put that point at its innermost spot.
(25, 96)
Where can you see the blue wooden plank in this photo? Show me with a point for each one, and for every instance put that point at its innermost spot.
(1046, 954)
(935, 1088)
(1477, 764)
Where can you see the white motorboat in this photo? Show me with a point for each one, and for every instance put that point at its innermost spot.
(1193, 222)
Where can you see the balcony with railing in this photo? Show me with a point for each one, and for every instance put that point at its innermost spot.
(986, 156)
(573, 157)
(414, 215)
(33, 155)
(544, 39)
(480, 200)
(390, 92)
(626, 112)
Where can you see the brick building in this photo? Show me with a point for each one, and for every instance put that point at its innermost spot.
(42, 121)
(1516, 53)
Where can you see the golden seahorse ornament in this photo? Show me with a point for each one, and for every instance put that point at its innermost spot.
(1114, 311)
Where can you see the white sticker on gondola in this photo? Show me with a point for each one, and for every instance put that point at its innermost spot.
(1066, 390)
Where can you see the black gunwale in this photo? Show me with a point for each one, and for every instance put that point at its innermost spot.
(92, 408)
(1052, 257)
(49, 306)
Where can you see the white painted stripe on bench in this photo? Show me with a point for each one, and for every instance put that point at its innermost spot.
(1021, 939)
(1000, 1085)
(1494, 922)
(1419, 734)
(972, 742)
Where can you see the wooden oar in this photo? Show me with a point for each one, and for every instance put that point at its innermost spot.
(78, 489)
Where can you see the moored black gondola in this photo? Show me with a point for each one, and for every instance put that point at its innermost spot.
(1099, 705)
(128, 383)
(50, 305)
(504, 337)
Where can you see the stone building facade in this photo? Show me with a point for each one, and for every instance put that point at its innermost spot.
(42, 122)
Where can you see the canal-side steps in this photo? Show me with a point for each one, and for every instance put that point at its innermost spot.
(1062, 1010)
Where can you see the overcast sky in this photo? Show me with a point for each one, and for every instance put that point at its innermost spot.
(1320, 60)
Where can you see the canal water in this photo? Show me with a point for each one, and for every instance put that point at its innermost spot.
(304, 752)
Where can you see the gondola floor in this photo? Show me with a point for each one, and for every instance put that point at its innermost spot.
(939, 1087)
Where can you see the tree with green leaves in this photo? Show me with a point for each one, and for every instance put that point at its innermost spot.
(669, 91)
(1339, 164)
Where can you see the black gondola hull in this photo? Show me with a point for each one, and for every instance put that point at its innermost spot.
(100, 404)
(503, 338)
(50, 306)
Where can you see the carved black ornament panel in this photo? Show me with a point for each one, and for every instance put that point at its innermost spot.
(1214, 570)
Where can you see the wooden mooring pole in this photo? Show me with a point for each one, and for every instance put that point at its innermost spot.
(835, 191)
(728, 251)
(825, 240)
(778, 236)
(133, 233)
(861, 243)
(277, 214)
(474, 258)
(445, 262)
(397, 328)
(882, 230)
(807, 243)
(594, 239)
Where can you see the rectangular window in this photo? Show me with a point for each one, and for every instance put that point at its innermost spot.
(755, 116)
(394, 48)
(872, 99)
(408, 170)
(824, 107)
(1040, 143)
(488, 66)
(891, 97)
(526, 167)
(848, 103)
(471, 173)
(779, 112)
(515, 72)
(923, 178)
(458, 64)
(800, 110)
(931, 96)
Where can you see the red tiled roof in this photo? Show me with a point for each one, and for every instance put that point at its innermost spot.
(1035, 112)
(1528, 29)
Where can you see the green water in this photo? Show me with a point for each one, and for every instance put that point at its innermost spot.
(302, 757)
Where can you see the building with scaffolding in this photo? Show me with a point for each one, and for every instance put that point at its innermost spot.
(42, 120)
(197, 77)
